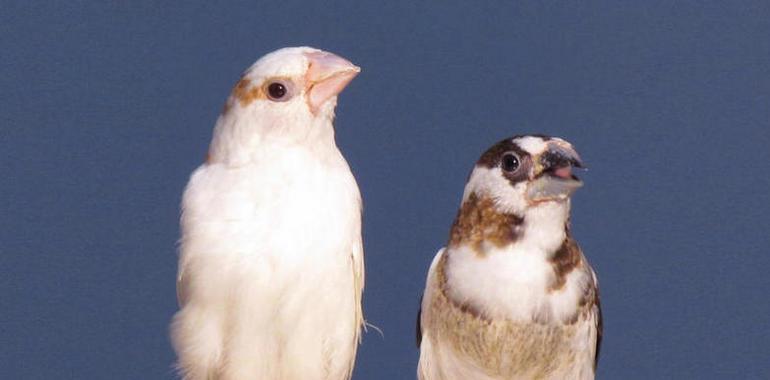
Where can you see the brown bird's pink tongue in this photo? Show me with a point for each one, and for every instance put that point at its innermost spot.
(564, 172)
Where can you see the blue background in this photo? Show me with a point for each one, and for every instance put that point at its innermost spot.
(105, 109)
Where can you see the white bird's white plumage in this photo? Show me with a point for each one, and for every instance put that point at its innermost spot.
(271, 259)
(512, 296)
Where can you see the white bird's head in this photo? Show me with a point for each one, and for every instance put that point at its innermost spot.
(287, 95)
(526, 172)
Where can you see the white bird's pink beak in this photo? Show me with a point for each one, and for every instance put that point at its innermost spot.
(326, 77)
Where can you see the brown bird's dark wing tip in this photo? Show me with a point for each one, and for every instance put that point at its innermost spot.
(418, 329)
(599, 329)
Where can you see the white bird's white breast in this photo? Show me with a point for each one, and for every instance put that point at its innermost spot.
(287, 214)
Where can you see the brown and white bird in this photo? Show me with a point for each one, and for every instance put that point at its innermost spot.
(271, 261)
(511, 296)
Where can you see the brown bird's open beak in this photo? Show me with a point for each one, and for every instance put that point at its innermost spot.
(554, 179)
(326, 77)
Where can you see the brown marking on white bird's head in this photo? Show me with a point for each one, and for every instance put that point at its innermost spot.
(287, 96)
(245, 93)
(242, 93)
(287, 78)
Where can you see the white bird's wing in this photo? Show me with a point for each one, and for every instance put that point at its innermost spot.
(182, 284)
(357, 269)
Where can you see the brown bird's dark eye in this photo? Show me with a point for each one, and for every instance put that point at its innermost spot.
(276, 90)
(510, 162)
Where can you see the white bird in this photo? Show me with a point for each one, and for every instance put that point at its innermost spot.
(271, 264)
(512, 296)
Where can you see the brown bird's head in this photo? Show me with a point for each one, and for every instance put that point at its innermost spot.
(520, 180)
(525, 171)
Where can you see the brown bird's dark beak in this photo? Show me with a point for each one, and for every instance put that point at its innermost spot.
(553, 179)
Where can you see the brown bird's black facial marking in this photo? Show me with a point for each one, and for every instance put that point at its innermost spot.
(502, 155)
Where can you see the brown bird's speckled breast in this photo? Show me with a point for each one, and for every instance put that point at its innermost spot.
(505, 348)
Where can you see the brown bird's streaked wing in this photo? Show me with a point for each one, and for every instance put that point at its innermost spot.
(599, 323)
(418, 329)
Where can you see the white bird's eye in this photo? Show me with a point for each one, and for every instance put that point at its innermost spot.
(509, 162)
(279, 90)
